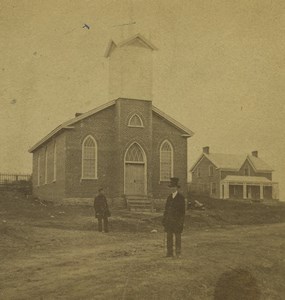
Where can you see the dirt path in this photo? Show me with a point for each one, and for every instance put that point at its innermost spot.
(50, 263)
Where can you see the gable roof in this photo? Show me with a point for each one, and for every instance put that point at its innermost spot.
(111, 46)
(233, 162)
(136, 38)
(178, 125)
(67, 125)
(258, 164)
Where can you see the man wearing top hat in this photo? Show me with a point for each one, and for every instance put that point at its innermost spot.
(173, 218)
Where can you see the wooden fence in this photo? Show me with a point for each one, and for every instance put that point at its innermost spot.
(16, 182)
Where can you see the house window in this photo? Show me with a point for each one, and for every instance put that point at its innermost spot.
(198, 172)
(89, 158)
(235, 190)
(39, 169)
(54, 162)
(135, 121)
(46, 165)
(213, 188)
(246, 172)
(166, 161)
(211, 170)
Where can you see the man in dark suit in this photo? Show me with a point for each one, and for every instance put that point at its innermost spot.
(102, 211)
(173, 218)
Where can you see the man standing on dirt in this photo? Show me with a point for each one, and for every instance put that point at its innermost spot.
(173, 218)
(102, 211)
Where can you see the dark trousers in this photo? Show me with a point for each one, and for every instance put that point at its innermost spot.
(103, 220)
(170, 243)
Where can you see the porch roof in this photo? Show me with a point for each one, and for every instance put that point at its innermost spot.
(247, 179)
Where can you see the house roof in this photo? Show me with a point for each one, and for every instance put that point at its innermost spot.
(259, 164)
(136, 38)
(246, 179)
(233, 162)
(67, 125)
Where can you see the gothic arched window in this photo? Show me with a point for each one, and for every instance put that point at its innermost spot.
(135, 121)
(89, 158)
(166, 161)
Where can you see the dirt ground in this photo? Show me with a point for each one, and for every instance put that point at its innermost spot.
(231, 250)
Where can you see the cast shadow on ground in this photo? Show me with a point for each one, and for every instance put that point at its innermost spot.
(235, 285)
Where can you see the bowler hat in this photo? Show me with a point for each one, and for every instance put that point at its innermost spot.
(174, 182)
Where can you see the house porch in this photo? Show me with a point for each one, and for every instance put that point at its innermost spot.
(248, 187)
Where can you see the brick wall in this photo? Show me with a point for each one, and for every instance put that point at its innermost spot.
(113, 137)
(102, 128)
(51, 190)
(127, 135)
(162, 130)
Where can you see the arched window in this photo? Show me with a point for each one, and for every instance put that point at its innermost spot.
(166, 161)
(134, 154)
(135, 121)
(135, 172)
(89, 158)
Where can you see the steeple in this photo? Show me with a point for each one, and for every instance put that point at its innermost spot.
(130, 68)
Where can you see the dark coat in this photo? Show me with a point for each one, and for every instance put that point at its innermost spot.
(101, 206)
(174, 214)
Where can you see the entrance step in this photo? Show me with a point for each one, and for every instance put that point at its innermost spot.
(139, 203)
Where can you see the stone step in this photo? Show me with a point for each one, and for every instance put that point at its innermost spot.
(134, 202)
(139, 203)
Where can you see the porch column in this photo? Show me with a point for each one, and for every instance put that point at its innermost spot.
(226, 190)
(261, 191)
(221, 191)
(275, 192)
(244, 191)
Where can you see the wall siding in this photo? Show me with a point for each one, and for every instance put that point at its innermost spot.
(205, 178)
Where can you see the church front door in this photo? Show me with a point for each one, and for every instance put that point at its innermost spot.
(135, 170)
(134, 180)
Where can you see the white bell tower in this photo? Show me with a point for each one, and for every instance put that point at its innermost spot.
(130, 68)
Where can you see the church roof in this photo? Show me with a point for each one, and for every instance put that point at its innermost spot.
(67, 125)
(178, 125)
(138, 38)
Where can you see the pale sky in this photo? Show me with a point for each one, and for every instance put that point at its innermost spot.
(219, 70)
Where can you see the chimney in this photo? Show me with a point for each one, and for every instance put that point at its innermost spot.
(77, 114)
(206, 150)
(254, 153)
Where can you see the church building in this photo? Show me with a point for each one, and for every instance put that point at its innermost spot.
(127, 146)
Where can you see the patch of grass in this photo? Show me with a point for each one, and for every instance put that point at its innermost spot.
(54, 252)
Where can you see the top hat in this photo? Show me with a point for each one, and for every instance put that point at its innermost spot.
(174, 182)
